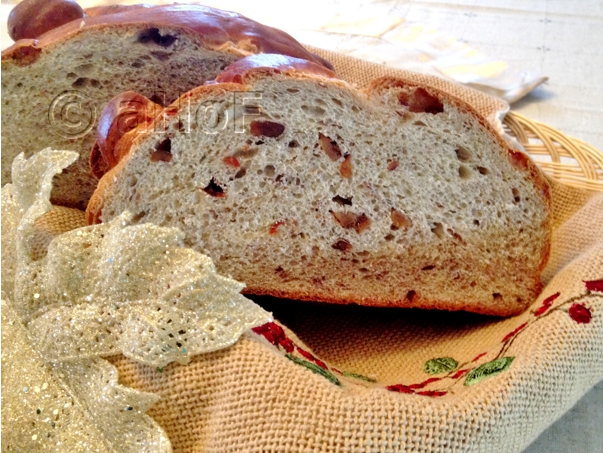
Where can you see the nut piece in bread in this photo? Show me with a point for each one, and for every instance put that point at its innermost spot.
(55, 86)
(303, 187)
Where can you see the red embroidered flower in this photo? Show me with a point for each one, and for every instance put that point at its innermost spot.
(594, 285)
(515, 332)
(546, 304)
(580, 314)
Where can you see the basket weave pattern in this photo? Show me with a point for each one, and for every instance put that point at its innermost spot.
(567, 159)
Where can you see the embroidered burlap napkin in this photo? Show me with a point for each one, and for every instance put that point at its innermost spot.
(328, 378)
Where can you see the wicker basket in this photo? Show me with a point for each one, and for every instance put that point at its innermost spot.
(567, 159)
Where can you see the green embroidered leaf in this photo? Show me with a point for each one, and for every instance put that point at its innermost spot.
(440, 365)
(351, 374)
(488, 370)
(315, 368)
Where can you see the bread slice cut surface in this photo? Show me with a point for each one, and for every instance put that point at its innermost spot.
(303, 187)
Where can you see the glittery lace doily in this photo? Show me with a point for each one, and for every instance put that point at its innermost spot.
(69, 407)
(115, 288)
(98, 291)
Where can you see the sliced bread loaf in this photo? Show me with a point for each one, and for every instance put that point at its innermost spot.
(303, 187)
(55, 86)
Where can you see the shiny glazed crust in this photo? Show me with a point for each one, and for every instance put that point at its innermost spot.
(217, 29)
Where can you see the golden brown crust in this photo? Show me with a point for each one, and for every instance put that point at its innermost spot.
(24, 52)
(98, 165)
(112, 9)
(124, 113)
(277, 64)
(32, 18)
(214, 28)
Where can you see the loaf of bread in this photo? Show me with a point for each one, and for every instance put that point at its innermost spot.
(303, 187)
(55, 86)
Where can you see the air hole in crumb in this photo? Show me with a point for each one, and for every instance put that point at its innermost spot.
(80, 82)
(497, 296)
(516, 197)
(214, 190)
(293, 144)
(158, 99)
(241, 173)
(483, 170)
(419, 123)
(476, 222)
(269, 170)
(138, 216)
(152, 35)
(163, 151)
(160, 55)
(438, 230)
(390, 237)
(472, 284)
(84, 69)
(428, 268)
(411, 295)
(313, 111)
(462, 154)
(342, 201)
(464, 172)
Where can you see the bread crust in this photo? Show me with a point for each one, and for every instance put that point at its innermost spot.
(215, 30)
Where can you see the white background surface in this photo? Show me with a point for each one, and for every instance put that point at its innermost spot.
(561, 39)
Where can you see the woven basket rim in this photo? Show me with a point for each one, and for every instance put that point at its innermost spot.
(567, 159)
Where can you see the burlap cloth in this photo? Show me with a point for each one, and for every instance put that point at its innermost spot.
(357, 379)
